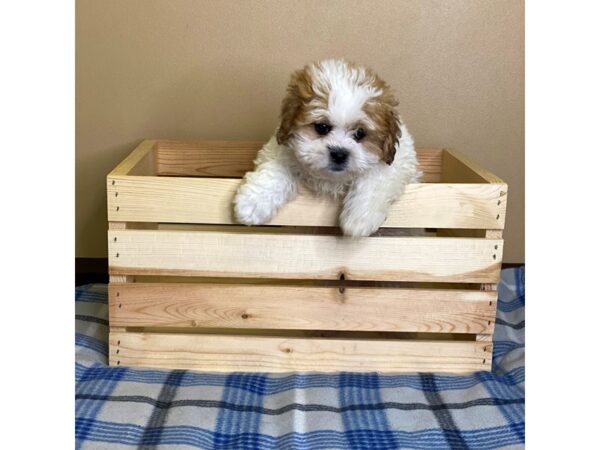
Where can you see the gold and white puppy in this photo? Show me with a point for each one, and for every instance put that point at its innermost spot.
(340, 135)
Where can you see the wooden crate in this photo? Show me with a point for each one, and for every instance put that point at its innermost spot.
(191, 289)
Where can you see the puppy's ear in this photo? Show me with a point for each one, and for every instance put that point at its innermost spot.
(392, 135)
(382, 111)
(299, 93)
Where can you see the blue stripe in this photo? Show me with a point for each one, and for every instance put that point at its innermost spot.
(87, 299)
(112, 374)
(274, 386)
(385, 438)
(443, 416)
(131, 434)
(520, 285)
(79, 371)
(87, 294)
(240, 389)
(363, 417)
(91, 319)
(89, 409)
(500, 351)
(517, 381)
(503, 347)
(82, 340)
(513, 413)
(512, 305)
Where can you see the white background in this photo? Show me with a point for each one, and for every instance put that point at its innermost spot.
(562, 198)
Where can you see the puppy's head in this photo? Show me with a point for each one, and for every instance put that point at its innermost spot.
(339, 119)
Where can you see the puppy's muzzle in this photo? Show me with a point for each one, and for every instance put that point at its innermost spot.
(338, 157)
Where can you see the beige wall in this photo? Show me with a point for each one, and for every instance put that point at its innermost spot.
(218, 69)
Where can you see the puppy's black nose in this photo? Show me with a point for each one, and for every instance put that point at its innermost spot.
(338, 155)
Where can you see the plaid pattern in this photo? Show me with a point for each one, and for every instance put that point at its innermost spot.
(124, 408)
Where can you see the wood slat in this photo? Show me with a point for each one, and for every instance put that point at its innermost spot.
(209, 200)
(235, 158)
(223, 353)
(455, 260)
(206, 158)
(301, 308)
(139, 162)
(430, 163)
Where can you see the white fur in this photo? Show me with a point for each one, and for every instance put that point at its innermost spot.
(368, 185)
(348, 89)
(370, 195)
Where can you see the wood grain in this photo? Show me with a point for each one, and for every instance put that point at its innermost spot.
(303, 308)
(455, 260)
(223, 353)
(235, 158)
(458, 168)
(209, 201)
(206, 158)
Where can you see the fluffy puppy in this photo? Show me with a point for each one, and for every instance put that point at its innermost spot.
(340, 135)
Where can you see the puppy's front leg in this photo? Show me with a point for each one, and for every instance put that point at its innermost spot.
(267, 188)
(367, 202)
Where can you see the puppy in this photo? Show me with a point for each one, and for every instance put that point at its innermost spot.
(340, 135)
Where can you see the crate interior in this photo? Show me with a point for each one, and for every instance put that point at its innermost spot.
(234, 159)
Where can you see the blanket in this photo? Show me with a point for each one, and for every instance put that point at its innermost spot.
(125, 408)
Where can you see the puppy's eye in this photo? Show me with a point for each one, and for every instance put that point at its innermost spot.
(359, 134)
(322, 128)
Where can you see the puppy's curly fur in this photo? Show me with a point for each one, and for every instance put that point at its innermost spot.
(340, 135)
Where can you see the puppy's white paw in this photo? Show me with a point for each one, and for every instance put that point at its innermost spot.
(251, 209)
(361, 223)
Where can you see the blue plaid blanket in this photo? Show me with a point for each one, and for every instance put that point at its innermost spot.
(123, 408)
